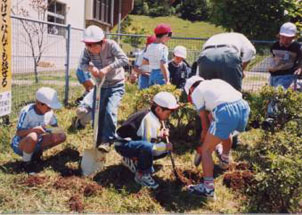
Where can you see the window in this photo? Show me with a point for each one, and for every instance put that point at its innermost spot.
(102, 10)
(56, 14)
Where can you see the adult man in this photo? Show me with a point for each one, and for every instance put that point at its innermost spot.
(225, 56)
(105, 59)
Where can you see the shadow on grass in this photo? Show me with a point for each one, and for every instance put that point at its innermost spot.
(56, 162)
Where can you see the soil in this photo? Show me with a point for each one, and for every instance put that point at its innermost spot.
(34, 181)
(76, 204)
(188, 177)
(91, 189)
(239, 176)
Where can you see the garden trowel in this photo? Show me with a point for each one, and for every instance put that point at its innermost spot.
(93, 160)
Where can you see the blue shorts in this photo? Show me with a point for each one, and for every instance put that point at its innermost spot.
(143, 82)
(16, 141)
(229, 117)
(156, 77)
(82, 76)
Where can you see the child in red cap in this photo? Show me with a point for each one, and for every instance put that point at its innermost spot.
(156, 56)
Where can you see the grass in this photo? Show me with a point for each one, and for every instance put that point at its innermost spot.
(58, 187)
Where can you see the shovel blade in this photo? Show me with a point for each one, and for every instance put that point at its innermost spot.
(92, 161)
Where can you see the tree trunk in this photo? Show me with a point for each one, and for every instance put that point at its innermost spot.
(36, 71)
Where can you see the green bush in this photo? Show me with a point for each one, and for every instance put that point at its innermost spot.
(277, 156)
(193, 10)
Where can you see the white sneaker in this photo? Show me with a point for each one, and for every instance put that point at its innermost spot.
(201, 190)
(130, 164)
(145, 180)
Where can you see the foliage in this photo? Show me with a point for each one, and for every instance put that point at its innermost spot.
(153, 8)
(256, 19)
(193, 10)
(276, 157)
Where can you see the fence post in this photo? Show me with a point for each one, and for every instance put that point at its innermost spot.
(67, 64)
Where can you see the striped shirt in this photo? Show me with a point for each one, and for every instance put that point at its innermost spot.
(111, 54)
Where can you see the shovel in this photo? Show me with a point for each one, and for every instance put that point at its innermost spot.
(93, 160)
(170, 155)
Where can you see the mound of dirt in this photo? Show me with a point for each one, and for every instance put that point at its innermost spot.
(34, 180)
(76, 204)
(91, 189)
(238, 179)
(187, 177)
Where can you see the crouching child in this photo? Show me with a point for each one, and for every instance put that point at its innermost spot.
(222, 111)
(36, 128)
(138, 138)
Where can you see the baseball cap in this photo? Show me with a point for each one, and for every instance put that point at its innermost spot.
(191, 81)
(93, 34)
(180, 51)
(166, 100)
(49, 97)
(150, 39)
(162, 29)
(288, 29)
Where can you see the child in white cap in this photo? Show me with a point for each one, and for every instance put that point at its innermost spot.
(287, 57)
(178, 68)
(32, 135)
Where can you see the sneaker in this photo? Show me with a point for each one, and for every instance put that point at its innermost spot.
(197, 159)
(223, 164)
(130, 164)
(145, 180)
(105, 147)
(28, 167)
(37, 156)
(201, 190)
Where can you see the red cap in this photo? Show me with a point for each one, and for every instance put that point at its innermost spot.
(162, 29)
(150, 39)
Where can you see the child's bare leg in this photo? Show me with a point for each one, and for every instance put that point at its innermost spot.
(51, 140)
(227, 145)
(27, 145)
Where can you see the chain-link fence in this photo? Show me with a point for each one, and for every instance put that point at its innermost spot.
(47, 54)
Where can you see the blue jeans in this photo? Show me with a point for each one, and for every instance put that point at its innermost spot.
(82, 76)
(110, 100)
(282, 80)
(156, 77)
(143, 82)
(140, 149)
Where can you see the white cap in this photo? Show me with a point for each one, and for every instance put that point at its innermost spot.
(93, 34)
(180, 51)
(166, 100)
(49, 97)
(191, 81)
(288, 29)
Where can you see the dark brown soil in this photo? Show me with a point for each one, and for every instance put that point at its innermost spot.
(91, 189)
(238, 179)
(187, 177)
(76, 204)
(33, 180)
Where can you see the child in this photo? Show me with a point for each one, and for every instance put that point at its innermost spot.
(104, 59)
(143, 70)
(287, 57)
(84, 112)
(179, 71)
(156, 56)
(222, 111)
(32, 137)
(139, 135)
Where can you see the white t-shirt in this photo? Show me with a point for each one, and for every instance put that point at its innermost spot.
(242, 44)
(28, 118)
(156, 53)
(149, 127)
(211, 93)
(139, 62)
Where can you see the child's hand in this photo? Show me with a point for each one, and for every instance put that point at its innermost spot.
(164, 133)
(94, 71)
(169, 146)
(39, 130)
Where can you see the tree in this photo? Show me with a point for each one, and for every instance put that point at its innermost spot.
(193, 10)
(34, 32)
(257, 19)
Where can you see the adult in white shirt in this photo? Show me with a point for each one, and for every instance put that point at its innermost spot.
(225, 56)
(222, 111)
